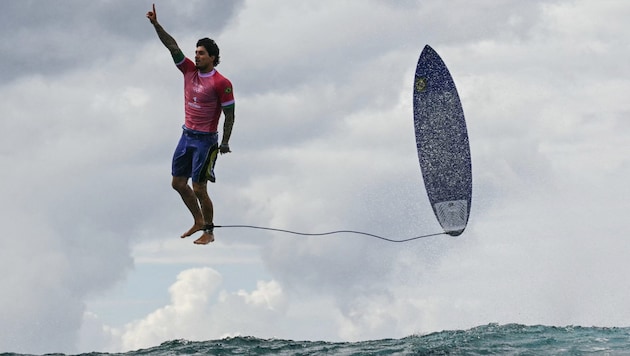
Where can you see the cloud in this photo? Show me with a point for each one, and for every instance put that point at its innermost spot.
(80, 135)
(189, 296)
(55, 37)
(200, 310)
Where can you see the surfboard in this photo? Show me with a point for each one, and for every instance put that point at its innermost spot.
(442, 142)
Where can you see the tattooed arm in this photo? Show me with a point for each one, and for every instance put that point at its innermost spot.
(166, 39)
(227, 129)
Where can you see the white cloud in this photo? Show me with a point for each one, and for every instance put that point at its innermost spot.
(185, 317)
(201, 310)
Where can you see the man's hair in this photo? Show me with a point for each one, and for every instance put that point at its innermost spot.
(211, 47)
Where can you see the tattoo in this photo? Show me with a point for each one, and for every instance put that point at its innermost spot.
(228, 123)
(166, 39)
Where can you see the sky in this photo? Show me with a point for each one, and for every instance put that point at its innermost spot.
(91, 111)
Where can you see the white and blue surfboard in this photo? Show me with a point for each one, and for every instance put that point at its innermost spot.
(442, 142)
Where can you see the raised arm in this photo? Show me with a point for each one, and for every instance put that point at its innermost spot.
(166, 39)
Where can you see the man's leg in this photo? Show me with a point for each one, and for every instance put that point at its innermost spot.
(201, 193)
(180, 184)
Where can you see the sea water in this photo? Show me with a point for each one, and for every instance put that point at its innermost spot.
(492, 339)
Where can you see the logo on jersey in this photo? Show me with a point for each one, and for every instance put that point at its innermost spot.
(228, 90)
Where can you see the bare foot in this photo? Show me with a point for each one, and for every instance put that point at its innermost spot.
(195, 228)
(205, 239)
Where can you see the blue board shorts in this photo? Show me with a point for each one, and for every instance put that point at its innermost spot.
(195, 155)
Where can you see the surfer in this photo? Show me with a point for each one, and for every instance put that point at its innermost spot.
(206, 94)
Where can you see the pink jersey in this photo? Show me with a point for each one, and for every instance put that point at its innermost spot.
(205, 94)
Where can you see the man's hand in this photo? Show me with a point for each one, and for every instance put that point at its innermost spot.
(224, 148)
(152, 15)
(166, 39)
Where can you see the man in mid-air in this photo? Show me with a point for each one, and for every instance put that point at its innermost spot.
(206, 94)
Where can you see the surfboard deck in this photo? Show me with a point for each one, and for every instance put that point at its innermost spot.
(442, 142)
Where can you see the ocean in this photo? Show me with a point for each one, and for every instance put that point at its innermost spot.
(491, 339)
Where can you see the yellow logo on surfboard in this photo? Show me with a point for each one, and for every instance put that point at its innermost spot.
(421, 84)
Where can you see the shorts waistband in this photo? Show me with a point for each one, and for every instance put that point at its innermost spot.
(195, 133)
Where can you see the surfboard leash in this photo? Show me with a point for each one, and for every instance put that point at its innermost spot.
(328, 233)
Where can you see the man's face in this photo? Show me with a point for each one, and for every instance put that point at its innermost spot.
(203, 61)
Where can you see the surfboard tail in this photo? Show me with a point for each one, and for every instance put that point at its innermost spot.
(452, 216)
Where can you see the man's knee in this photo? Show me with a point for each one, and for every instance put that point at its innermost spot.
(179, 183)
(200, 189)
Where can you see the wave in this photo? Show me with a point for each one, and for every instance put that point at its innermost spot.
(491, 339)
